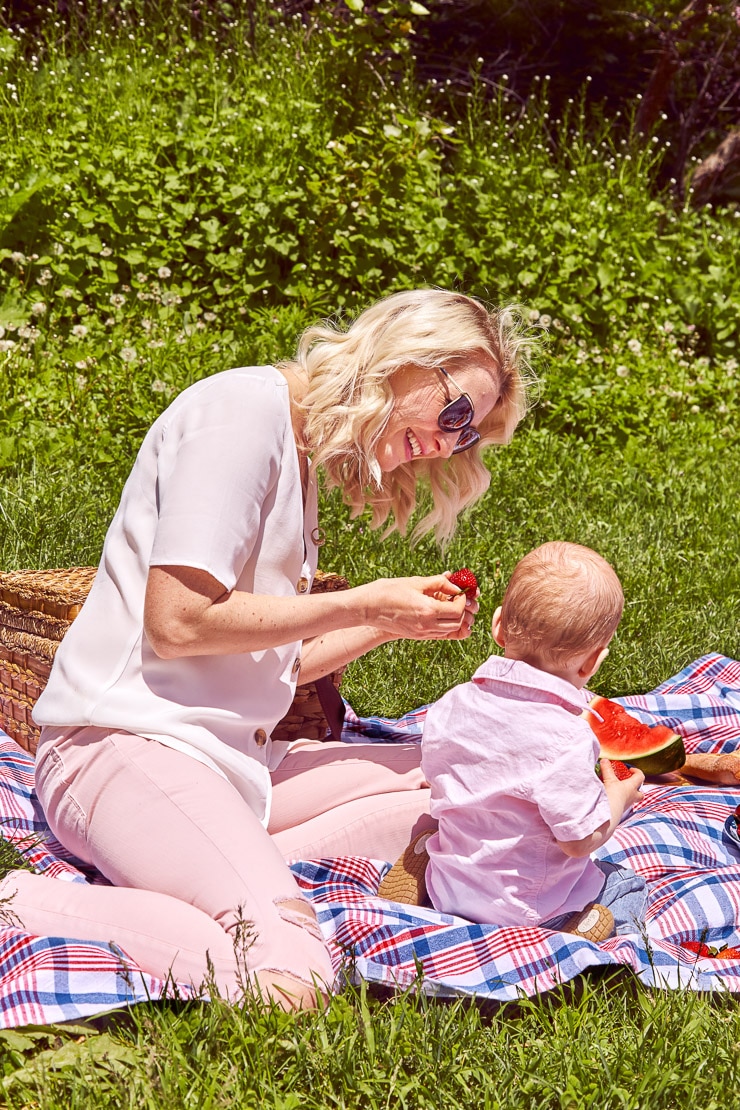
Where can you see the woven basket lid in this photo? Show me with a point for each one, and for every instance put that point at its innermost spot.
(58, 593)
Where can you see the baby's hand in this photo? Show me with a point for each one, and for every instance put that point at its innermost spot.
(625, 790)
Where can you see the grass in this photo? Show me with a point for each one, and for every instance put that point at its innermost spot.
(612, 1046)
(173, 201)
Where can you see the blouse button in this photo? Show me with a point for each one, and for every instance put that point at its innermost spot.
(260, 737)
(302, 585)
(296, 664)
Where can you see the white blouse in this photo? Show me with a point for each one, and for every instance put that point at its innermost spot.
(216, 485)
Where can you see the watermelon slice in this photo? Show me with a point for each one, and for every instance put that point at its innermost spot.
(655, 749)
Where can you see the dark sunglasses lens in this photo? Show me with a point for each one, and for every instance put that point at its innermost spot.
(466, 439)
(457, 414)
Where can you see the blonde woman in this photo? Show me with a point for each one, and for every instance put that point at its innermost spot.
(156, 764)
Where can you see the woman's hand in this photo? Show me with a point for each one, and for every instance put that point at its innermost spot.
(419, 608)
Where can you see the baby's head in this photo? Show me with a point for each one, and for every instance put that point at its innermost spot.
(560, 610)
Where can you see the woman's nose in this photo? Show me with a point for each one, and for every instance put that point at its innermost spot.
(445, 442)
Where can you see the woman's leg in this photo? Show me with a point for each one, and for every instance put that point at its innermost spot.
(151, 818)
(332, 799)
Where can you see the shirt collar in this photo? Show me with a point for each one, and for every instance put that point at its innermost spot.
(516, 679)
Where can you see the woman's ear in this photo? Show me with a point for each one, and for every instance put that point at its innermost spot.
(496, 628)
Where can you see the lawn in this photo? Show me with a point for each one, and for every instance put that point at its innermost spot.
(178, 195)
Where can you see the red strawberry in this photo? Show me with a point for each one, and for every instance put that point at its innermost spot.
(699, 948)
(621, 770)
(466, 580)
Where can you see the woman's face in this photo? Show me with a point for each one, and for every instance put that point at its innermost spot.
(420, 395)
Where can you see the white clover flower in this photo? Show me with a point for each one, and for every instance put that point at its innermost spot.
(722, 409)
(110, 321)
(79, 331)
(210, 316)
(44, 277)
(65, 292)
(58, 249)
(117, 300)
(545, 320)
(158, 386)
(27, 332)
(164, 272)
(695, 408)
(622, 372)
(19, 258)
(155, 343)
(146, 324)
(128, 354)
(142, 277)
(80, 379)
(106, 252)
(534, 314)
(635, 346)
(39, 308)
(668, 327)
(7, 344)
(731, 366)
(81, 364)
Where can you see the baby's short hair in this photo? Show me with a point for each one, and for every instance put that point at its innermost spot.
(561, 600)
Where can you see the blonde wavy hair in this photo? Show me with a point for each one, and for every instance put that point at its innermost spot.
(350, 398)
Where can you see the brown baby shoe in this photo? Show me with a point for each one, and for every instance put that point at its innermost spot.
(595, 922)
(405, 880)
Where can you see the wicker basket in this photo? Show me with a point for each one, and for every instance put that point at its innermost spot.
(36, 609)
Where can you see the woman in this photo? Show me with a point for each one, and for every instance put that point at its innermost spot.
(155, 763)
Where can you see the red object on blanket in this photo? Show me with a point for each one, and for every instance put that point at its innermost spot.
(711, 953)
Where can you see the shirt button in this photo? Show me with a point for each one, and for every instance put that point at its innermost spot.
(302, 585)
(260, 737)
(297, 664)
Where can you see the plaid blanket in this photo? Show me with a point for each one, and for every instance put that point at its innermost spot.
(675, 838)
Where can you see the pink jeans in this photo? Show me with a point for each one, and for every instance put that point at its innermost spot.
(196, 876)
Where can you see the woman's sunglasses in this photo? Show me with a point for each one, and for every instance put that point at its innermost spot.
(458, 416)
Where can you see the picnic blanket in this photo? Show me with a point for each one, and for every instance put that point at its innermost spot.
(675, 837)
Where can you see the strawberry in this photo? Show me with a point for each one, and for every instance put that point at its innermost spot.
(466, 581)
(699, 948)
(621, 770)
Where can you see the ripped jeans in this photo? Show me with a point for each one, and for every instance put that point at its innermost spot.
(197, 880)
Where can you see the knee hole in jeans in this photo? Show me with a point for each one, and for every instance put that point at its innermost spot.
(296, 911)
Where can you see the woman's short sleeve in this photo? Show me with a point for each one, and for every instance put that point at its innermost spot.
(218, 459)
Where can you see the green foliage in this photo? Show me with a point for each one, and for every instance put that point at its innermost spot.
(607, 1047)
(173, 204)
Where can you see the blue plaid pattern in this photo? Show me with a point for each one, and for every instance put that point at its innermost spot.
(674, 838)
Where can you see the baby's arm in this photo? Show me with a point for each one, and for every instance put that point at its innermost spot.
(621, 794)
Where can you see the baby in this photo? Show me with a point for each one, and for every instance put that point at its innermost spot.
(510, 760)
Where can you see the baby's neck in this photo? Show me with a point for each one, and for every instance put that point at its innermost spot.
(569, 673)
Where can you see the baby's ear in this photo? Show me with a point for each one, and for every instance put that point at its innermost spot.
(496, 628)
(592, 662)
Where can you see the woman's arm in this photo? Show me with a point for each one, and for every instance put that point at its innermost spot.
(621, 794)
(189, 612)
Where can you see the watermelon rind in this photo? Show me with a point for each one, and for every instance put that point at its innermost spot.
(669, 758)
(657, 749)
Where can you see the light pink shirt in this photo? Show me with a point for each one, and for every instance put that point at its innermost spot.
(216, 485)
(511, 766)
